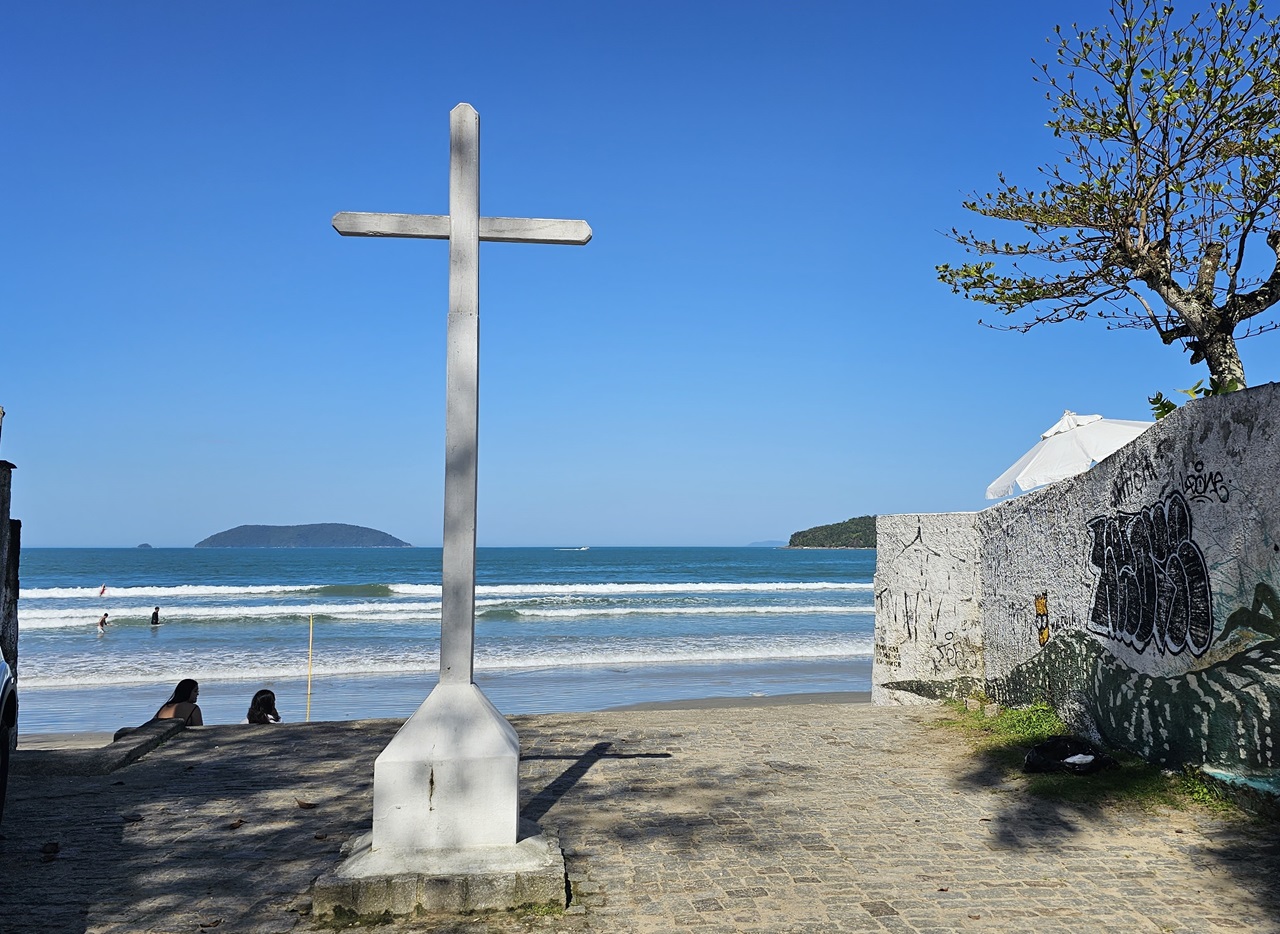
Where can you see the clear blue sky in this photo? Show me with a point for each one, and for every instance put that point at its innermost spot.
(753, 343)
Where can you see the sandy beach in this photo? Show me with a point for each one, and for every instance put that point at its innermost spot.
(777, 700)
(62, 740)
(95, 740)
(100, 709)
(773, 816)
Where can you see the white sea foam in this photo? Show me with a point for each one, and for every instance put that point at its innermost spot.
(85, 670)
(157, 593)
(170, 595)
(668, 610)
(403, 611)
(536, 590)
(67, 617)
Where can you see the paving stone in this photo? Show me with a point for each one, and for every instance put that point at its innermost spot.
(811, 818)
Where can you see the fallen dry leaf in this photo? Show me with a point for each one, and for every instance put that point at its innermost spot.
(305, 805)
(211, 924)
(322, 836)
(948, 889)
(236, 824)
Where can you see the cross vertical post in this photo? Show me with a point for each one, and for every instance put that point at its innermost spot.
(462, 413)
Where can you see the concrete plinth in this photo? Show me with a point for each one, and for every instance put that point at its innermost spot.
(446, 830)
(370, 882)
(450, 778)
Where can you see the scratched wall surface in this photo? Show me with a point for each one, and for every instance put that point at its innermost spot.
(928, 622)
(8, 591)
(1141, 598)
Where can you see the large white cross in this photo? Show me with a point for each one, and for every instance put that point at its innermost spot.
(464, 228)
(448, 779)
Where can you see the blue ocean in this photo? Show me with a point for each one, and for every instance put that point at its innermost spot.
(557, 629)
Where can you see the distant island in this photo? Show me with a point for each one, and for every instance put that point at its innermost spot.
(145, 545)
(859, 532)
(320, 535)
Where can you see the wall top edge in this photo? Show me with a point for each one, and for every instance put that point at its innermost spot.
(909, 515)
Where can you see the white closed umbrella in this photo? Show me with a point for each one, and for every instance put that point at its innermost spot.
(1073, 445)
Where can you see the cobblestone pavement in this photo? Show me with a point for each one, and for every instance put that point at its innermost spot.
(812, 817)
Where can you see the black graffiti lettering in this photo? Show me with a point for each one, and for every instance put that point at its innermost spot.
(1179, 605)
(1133, 481)
(1153, 584)
(954, 653)
(1204, 486)
(1200, 612)
(888, 655)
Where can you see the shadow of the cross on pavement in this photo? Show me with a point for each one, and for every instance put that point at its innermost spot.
(540, 803)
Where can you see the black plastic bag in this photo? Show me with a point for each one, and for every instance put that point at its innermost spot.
(1067, 754)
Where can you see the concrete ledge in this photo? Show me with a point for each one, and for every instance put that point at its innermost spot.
(488, 878)
(130, 747)
(1256, 791)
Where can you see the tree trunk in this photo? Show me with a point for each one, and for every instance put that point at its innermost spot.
(1223, 358)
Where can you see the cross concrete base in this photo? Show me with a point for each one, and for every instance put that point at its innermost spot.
(450, 778)
(446, 830)
(371, 882)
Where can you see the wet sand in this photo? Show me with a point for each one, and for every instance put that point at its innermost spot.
(94, 740)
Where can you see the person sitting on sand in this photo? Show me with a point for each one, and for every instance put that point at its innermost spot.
(262, 709)
(182, 705)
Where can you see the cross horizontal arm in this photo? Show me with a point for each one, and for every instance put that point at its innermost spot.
(436, 227)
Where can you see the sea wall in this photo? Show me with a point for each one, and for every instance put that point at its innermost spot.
(929, 620)
(10, 545)
(1141, 598)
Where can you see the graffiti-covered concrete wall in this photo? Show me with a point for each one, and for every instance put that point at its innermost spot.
(9, 548)
(1141, 598)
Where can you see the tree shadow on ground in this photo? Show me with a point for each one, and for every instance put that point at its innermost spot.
(226, 827)
(221, 827)
(1051, 809)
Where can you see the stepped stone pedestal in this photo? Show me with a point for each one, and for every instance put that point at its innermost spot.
(446, 830)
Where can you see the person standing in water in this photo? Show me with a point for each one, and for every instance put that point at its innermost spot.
(102, 623)
(155, 617)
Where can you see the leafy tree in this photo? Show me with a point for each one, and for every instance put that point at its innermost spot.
(858, 532)
(1167, 191)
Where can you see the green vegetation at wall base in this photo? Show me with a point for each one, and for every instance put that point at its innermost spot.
(1001, 743)
(859, 532)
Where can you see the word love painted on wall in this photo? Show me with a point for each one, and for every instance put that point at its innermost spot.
(1153, 584)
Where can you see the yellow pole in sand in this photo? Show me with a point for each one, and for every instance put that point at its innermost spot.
(311, 638)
